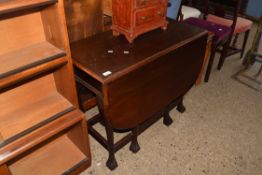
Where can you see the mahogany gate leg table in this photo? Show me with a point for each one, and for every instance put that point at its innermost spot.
(135, 84)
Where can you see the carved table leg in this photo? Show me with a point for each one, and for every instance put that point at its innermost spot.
(180, 107)
(167, 119)
(134, 146)
(111, 162)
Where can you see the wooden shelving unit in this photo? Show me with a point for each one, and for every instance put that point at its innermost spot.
(40, 106)
(7, 6)
(37, 162)
(39, 116)
(57, 145)
(61, 154)
(28, 57)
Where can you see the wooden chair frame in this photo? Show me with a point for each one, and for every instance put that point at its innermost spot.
(219, 10)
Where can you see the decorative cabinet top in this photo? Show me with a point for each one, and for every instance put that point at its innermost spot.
(135, 17)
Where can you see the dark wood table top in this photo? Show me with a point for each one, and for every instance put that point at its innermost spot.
(93, 55)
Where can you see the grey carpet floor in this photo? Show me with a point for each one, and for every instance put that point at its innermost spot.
(219, 134)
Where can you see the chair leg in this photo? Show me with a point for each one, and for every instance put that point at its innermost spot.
(210, 63)
(259, 71)
(244, 43)
(223, 55)
(235, 40)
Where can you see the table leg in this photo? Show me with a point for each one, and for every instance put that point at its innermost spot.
(111, 161)
(180, 106)
(134, 146)
(167, 118)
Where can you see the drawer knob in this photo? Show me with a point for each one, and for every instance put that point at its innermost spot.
(144, 18)
(159, 13)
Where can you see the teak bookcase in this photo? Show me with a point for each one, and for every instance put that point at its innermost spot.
(41, 129)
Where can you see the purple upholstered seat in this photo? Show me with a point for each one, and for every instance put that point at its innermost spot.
(220, 31)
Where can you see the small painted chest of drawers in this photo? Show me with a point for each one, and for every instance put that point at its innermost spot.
(134, 17)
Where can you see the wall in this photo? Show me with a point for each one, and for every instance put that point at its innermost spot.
(254, 8)
(172, 11)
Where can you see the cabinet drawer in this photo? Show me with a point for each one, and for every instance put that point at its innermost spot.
(160, 13)
(143, 3)
(149, 15)
(145, 16)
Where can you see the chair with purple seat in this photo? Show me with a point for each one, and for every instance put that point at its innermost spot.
(222, 34)
(242, 26)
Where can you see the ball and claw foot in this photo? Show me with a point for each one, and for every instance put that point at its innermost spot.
(134, 146)
(111, 163)
(181, 108)
(167, 119)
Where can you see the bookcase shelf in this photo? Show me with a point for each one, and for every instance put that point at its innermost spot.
(43, 103)
(61, 153)
(28, 57)
(56, 157)
(32, 72)
(7, 6)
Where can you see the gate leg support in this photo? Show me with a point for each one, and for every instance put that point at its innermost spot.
(134, 146)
